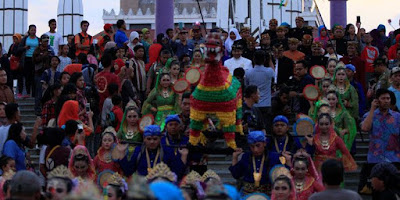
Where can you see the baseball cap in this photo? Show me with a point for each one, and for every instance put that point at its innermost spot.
(145, 30)
(196, 27)
(44, 37)
(107, 27)
(395, 70)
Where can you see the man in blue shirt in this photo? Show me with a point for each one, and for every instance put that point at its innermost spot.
(197, 38)
(183, 46)
(300, 80)
(120, 37)
(261, 77)
(383, 126)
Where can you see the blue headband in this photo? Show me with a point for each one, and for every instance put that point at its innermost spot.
(281, 118)
(152, 130)
(172, 118)
(351, 67)
(255, 136)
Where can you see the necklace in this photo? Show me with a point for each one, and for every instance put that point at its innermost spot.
(341, 90)
(333, 114)
(107, 157)
(281, 158)
(325, 144)
(299, 186)
(257, 175)
(149, 167)
(165, 94)
(129, 134)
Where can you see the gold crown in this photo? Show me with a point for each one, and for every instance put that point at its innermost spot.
(115, 179)
(85, 190)
(8, 175)
(131, 105)
(279, 171)
(210, 174)
(191, 178)
(110, 129)
(161, 170)
(60, 171)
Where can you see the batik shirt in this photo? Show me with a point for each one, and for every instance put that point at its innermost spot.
(384, 145)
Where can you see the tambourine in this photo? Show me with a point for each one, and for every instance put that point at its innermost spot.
(304, 126)
(103, 177)
(180, 86)
(278, 170)
(311, 92)
(146, 121)
(193, 75)
(318, 71)
(256, 196)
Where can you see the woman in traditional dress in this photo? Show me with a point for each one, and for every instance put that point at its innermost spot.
(129, 130)
(198, 60)
(81, 164)
(162, 100)
(103, 160)
(175, 71)
(327, 142)
(330, 68)
(346, 91)
(305, 177)
(282, 189)
(345, 125)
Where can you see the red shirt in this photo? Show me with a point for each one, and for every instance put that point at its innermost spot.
(102, 80)
(368, 55)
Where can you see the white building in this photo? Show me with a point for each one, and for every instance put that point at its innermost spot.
(222, 13)
(13, 19)
(69, 17)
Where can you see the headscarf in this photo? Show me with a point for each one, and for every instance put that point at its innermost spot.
(109, 45)
(229, 42)
(166, 191)
(152, 130)
(129, 107)
(346, 81)
(256, 136)
(134, 35)
(69, 111)
(18, 36)
(80, 149)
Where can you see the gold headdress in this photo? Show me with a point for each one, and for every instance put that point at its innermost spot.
(190, 179)
(115, 179)
(279, 170)
(210, 174)
(161, 170)
(60, 171)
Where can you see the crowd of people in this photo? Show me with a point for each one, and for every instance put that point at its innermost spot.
(117, 99)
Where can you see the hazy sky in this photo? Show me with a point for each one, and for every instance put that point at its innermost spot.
(372, 12)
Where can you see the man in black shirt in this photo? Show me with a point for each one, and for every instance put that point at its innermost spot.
(252, 116)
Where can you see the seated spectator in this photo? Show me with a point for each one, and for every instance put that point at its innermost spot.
(6, 94)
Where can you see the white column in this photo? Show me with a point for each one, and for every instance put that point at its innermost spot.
(255, 15)
(223, 14)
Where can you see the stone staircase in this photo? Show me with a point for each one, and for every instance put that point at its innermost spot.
(28, 118)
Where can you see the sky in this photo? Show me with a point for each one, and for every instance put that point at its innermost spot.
(372, 13)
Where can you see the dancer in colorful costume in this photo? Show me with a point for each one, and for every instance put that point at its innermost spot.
(305, 176)
(218, 95)
(254, 166)
(327, 142)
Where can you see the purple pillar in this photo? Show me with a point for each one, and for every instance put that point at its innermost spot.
(164, 15)
(338, 12)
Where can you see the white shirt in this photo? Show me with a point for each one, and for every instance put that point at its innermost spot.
(55, 41)
(233, 63)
